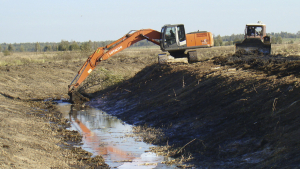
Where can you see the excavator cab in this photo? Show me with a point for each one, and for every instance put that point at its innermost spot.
(173, 38)
(175, 41)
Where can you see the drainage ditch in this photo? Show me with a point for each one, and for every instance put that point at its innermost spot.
(111, 138)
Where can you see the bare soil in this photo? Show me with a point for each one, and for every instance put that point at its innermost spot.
(228, 111)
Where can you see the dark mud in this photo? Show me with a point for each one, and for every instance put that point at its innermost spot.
(228, 112)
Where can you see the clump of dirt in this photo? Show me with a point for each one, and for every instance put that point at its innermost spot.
(231, 111)
(148, 134)
(85, 157)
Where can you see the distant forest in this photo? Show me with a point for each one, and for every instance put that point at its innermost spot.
(276, 38)
(61, 46)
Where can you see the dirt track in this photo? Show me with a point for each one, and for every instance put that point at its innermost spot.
(226, 112)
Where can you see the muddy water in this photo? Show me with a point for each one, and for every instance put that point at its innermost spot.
(108, 136)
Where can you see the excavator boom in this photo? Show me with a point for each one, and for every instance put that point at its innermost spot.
(103, 53)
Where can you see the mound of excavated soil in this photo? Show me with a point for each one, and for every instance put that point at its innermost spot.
(229, 112)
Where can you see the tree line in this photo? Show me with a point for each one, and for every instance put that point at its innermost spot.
(61, 46)
(52, 46)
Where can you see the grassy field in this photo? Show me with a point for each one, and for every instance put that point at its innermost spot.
(287, 40)
(147, 54)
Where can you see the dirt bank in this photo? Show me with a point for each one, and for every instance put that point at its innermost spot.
(232, 111)
(27, 139)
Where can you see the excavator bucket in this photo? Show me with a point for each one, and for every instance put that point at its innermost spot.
(77, 98)
(253, 45)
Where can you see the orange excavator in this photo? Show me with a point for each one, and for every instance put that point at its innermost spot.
(172, 39)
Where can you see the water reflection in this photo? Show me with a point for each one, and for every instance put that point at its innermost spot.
(110, 137)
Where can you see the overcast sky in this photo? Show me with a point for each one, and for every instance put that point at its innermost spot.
(99, 20)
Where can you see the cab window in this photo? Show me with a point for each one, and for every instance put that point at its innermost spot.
(170, 35)
(181, 33)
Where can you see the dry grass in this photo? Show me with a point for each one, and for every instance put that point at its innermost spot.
(277, 49)
(147, 55)
(21, 58)
(134, 52)
(149, 134)
(282, 49)
(286, 49)
(208, 53)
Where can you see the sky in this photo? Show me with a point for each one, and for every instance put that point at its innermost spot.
(24, 21)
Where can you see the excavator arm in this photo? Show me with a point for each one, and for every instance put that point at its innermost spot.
(103, 53)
